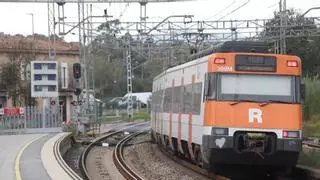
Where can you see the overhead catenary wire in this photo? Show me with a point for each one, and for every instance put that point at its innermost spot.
(235, 10)
(219, 12)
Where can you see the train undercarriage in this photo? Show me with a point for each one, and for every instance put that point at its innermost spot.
(247, 154)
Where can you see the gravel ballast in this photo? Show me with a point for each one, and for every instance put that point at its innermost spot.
(100, 164)
(151, 163)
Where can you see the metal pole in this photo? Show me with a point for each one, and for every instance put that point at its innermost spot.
(32, 26)
(285, 26)
(91, 61)
(51, 30)
(44, 106)
(32, 19)
(129, 79)
(313, 8)
(85, 62)
(80, 50)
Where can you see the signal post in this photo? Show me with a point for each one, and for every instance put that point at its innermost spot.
(81, 117)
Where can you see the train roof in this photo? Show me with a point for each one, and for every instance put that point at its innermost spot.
(235, 46)
(225, 47)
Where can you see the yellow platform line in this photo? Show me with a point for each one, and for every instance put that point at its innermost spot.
(17, 161)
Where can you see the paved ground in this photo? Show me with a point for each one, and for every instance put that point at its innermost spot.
(10, 146)
(31, 165)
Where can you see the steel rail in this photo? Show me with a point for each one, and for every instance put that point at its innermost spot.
(83, 157)
(56, 150)
(120, 162)
(312, 145)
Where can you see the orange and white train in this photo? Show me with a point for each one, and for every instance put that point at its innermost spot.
(233, 105)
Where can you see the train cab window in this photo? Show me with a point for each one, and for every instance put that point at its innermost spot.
(210, 86)
(257, 88)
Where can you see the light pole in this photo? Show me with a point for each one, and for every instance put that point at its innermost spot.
(313, 8)
(32, 24)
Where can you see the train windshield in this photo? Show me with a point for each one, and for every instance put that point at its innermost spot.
(257, 88)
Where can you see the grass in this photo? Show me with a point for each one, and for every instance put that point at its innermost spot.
(311, 128)
(309, 157)
(311, 104)
(142, 114)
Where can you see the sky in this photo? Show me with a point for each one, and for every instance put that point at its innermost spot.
(14, 17)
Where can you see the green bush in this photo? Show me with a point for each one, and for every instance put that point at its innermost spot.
(141, 115)
(312, 100)
(311, 107)
(309, 157)
(311, 128)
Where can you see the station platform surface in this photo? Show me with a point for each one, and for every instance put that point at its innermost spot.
(31, 165)
(11, 147)
(32, 156)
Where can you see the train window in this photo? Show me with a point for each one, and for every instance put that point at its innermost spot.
(176, 99)
(187, 99)
(212, 86)
(260, 88)
(197, 98)
(184, 99)
(167, 100)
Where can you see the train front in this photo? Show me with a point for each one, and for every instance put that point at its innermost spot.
(253, 111)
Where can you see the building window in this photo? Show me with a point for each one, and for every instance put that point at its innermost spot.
(37, 88)
(52, 88)
(51, 77)
(51, 66)
(37, 66)
(37, 77)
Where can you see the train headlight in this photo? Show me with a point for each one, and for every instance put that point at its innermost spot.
(219, 131)
(290, 134)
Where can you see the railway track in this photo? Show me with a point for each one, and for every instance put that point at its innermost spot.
(312, 145)
(57, 154)
(128, 172)
(82, 160)
(120, 162)
(193, 167)
(197, 169)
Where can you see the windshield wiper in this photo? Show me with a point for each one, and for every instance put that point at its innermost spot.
(241, 100)
(274, 101)
(278, 101)
(260, 103)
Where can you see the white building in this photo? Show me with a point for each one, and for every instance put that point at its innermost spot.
(44, 79)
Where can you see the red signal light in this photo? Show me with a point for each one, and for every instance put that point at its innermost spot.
(219, 61)
(77, 70)
(292, 63)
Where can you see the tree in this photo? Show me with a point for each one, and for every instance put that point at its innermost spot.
(306, 46)
(148, 60)
(14, 73)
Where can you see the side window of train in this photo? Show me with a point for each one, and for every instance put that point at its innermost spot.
(206, 87)
(210, 86)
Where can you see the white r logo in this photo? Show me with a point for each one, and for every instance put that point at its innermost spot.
(255, 114)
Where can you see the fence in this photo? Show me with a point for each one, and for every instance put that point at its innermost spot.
(30, 120)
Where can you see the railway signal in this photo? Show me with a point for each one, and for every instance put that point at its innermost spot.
(77, 70)
(77, 91)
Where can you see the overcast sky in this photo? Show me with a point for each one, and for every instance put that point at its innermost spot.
(14, 18)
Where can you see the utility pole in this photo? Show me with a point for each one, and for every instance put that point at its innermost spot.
(143, 16)
(51, 30)
(283, 26)
(129, 77)
(32, 16)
